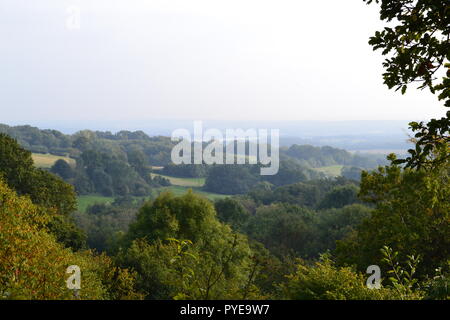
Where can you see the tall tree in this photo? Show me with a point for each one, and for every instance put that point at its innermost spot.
(44, 188)
(182, 251)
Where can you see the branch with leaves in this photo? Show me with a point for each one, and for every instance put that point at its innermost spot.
(418, 48)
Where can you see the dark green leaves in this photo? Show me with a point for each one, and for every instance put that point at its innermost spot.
(418, 48)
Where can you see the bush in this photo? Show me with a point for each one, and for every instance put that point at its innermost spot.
(324, 281)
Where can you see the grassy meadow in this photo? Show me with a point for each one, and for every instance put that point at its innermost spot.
(331, 171)
(47, 160)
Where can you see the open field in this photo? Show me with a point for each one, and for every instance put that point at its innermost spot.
(331, 171)
(47, 160)
(88, 200)
(183, 182)
(179, 191)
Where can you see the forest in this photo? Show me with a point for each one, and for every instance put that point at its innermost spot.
(142, 228)
(288, 236)
(121, 164)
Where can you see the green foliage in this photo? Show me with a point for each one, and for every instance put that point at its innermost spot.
(109, 175)
(438, 287)
(50, 191)
(16, 168)
(402, 279)
(183, 182)
(40, 141)
(336, 224)
(317, 157)
(272, 271)
(104, 224)
(311, 194)
(62, 169)
(301, 193)
(291, 230)
(181, 269)
(417, 43)
(85, 201)
(105, 163)
(43, 188)
(411, 216)
(16, 164)
(284, 229)
(432, 144)
(67, 232)
(340, 196)
(185, 170)
(211, 262)
(352, 173)
(325, 281)
(231, 179)
(179, 191)
(230, 211)
(186, 217)
(240, 179)
(33, 264)
(160, 180)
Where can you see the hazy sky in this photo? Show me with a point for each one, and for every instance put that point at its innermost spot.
(196, 59)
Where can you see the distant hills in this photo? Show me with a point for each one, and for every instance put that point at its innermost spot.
(373, 136)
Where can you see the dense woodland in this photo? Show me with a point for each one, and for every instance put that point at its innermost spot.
(290, 240)
(121, 164)
(296, 235)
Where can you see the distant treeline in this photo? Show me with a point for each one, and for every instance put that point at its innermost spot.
(120, 164)
(108, 164)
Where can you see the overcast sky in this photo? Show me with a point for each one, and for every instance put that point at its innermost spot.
(196, 59)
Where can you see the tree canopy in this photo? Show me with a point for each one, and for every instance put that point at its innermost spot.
(416, 42)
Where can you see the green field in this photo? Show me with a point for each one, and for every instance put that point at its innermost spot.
(331, 171)
(179, 187)
(183, 182)
(86, 201)
(179, 191)
(47, 160)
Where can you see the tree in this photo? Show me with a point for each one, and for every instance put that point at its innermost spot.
(63, 169)
(417, 42)
(67, 232)
(105, 223)
(339, 197)
(218, 260)
(352, 173)
(325, 281)
(44, 188)
(50, 191)
(231, 179)
(336, 224)
(16, 164)
(411, 216)
(33, 264)
(284, 229)
(230, 211)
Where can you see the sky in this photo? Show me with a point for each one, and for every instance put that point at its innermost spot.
(138, 60)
